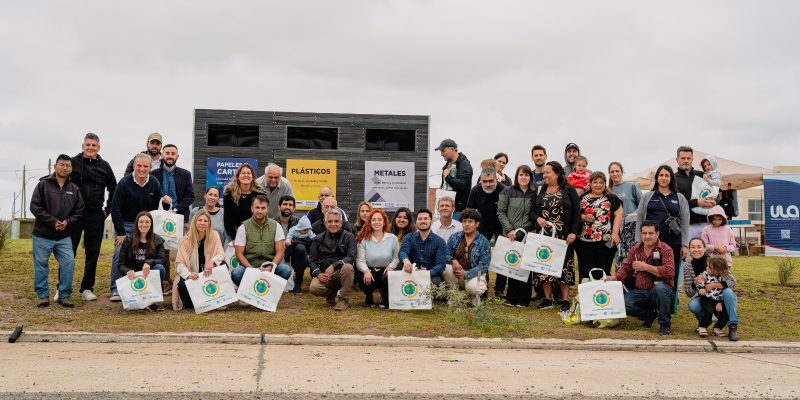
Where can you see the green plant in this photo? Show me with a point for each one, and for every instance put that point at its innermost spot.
(483, 317)
(5, 234)
(787, 266)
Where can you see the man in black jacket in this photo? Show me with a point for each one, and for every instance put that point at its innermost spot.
(332, 256)
(456, 173)
(56, 204)
(176, 182)
(483, 197)
(94, 178)
(684, 176)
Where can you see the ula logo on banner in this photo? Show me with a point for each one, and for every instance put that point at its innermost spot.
(513, 258)
(170, 227)
(211, 288)
(792, 212)
(139, 284)
(544, 253)
(601, 298)
(409, 289)
(261, 287)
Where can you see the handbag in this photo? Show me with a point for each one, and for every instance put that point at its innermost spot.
(410, 291)
(601, 300)
(673, 226)
(544, 254)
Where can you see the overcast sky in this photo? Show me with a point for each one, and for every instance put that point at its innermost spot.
(626, 80)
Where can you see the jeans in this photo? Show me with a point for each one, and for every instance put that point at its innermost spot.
(62, 250)
(643, 304)
(297, 255)
(282, 270)
(730, 301)
(128, 226)
(91, 225)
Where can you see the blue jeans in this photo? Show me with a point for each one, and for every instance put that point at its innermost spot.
(62, 250)
(728, 298)
(129, 226)
(282, 270)
(643, 304)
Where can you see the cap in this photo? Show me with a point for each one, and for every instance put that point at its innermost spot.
(446, 143)
(572, 146)
(155, 136)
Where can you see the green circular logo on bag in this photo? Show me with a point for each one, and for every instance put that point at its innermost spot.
(544, 253)
(170, 227)
(211, 288)
(409, 289)
(261, 287)
(601, 298)
(513, 258)
(139, 284)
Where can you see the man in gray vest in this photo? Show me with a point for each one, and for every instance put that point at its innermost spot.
(259, 241)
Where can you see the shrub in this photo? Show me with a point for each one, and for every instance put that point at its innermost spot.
(5, 234)
(787, 266)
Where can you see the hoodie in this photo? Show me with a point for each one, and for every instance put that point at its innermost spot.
(715, 236)
(567, 164)
(295, 234)
(714, 178)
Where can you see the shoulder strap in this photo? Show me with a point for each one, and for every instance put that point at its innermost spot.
(663, 205)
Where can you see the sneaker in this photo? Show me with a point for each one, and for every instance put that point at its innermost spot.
(331, 301)
(87, 295)
(295, 290)
(701, 331)
(546, 304)
(733, 332)
(500, 293)
(341, 305)
(648, 321)
(519, 306)
(664, 330)
(369, 301)
(115, 297)
(565, 305)
(508, 304)
(66, 303)
(382, 306)
(718, 332)
(153, 307)
(43, 302)
(166, 288)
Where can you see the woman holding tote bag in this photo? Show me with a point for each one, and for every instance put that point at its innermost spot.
(557, 206)
(513, 211)
(199, 252)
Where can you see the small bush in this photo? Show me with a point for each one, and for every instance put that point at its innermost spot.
(5, 234)
(481, 318)
(787, 266)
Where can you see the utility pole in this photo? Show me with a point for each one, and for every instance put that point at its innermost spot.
(22, 202)
(49, 166)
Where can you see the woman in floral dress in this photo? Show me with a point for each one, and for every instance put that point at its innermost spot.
(602, 215)
(557, 205)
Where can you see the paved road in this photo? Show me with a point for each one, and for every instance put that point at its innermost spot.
(54, 370)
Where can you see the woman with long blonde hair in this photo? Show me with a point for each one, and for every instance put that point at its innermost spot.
(200, 250)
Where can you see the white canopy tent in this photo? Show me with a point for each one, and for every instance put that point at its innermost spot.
(735, 175)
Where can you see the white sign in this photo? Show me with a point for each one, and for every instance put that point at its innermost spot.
(213, 292)
(261, 289)
(138, 293)
(410, 291)
(389, 184)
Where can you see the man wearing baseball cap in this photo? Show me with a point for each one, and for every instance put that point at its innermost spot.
(154, 142)
(571, 153)
(456, 173)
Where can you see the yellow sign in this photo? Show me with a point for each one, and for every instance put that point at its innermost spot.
(307, 177)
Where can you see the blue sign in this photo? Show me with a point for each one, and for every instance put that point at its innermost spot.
(782, 214)
(221, 170)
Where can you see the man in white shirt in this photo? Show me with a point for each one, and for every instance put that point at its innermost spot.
(260, 240)
(446, 225)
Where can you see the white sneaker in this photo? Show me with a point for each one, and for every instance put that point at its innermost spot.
(87, 295)
(55, 297)
(115, 298)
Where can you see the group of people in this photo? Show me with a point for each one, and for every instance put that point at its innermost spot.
(668, 229)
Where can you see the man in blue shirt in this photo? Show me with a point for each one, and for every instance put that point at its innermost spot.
(424, 248)
(176, 182)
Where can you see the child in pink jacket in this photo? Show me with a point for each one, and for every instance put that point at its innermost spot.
(718, 236)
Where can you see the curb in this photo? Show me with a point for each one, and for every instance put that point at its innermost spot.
(762, 347)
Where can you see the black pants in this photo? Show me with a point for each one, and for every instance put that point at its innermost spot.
(91, 226)
(380, 282)
(499, 282)
(297, 256)
(184, 294)
(708, 309)
(519, 292)
(593, 255)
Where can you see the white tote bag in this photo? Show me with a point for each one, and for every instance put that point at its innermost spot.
(702, 190)
(169, 226)
(601, 300)
(544, 254)
(230, 257)
(410, 291)
(261, 289)
(213, 292)
(507, 259)
(139, 293)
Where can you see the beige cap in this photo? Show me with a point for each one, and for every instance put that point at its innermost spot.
(155, 136)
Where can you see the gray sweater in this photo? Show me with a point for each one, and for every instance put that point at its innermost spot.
(683, 217)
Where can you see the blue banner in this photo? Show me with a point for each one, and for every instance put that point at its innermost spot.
(220, 170)
(782, 214)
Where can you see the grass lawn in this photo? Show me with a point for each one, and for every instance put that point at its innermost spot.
(766, 311)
